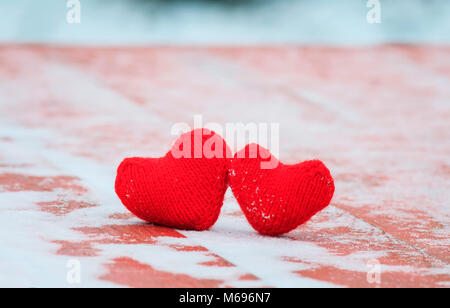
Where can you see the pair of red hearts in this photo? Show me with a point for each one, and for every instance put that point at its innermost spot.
(187, 191)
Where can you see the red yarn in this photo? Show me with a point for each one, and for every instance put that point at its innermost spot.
(276, 201)
(185, 193)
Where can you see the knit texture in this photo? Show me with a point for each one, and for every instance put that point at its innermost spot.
(185, 193)
(276, 201)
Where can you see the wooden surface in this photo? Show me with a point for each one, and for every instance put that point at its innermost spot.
(378, 117)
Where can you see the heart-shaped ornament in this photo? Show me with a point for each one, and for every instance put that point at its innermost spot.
(279, 199)
(184, 189)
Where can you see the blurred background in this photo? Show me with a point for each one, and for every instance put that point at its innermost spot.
(143, 22)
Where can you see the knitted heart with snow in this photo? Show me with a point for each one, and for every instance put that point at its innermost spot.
(278, 200)
(184, 189)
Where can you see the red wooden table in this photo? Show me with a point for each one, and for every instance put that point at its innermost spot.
(378, 117)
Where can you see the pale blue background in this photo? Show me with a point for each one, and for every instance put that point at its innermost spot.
(338, 22)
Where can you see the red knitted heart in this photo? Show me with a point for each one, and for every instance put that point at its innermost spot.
(184, 189)
(278, 200)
